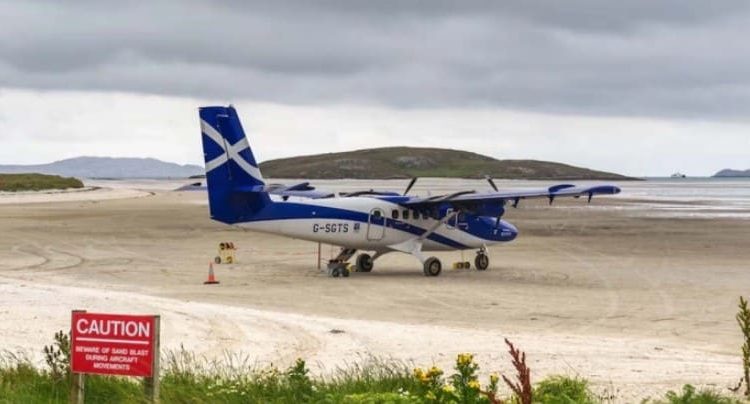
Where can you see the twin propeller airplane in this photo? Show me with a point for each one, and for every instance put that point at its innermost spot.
(381, 222)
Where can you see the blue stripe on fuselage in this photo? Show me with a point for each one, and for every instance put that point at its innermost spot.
(291, 210)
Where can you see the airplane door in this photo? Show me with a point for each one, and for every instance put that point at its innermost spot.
(375, 225)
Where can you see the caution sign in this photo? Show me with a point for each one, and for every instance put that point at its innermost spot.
(113, 344)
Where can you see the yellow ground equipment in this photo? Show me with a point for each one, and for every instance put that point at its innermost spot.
(462, 265)
(226, 253)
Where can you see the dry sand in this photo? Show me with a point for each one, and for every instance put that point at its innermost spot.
(636, 304)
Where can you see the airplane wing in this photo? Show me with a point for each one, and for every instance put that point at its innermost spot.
(468, 199)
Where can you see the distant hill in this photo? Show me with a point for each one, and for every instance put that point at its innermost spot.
(405, 162)
(732, 173)
(108, 167)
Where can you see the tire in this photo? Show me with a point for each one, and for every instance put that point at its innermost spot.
(364, 263)
(335, 272)
(345, 272)
(482, 262)
(432, 267)
(217, 260)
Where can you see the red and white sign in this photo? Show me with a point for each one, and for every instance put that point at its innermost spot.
(112, 344)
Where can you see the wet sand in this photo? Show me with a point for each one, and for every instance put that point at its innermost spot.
(637, 304)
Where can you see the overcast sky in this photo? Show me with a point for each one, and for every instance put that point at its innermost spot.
(637, 87)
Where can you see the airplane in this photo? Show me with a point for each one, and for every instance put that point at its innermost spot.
(371, 221)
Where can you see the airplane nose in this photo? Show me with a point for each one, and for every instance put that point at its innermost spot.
(509, 230)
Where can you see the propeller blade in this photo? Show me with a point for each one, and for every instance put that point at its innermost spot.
(492, 183)
(411, 184)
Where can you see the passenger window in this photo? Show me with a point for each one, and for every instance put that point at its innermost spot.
(416, 215)
(394, 214)
(406, 215)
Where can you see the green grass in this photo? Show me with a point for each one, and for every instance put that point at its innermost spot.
(564, 390)
(36, 182)
(689, 395)
(187, 379)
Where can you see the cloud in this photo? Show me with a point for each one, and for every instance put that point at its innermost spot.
(672, 59)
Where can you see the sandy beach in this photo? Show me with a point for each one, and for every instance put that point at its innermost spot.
(634, 300)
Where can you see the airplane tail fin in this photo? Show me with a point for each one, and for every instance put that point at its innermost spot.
(235, 184)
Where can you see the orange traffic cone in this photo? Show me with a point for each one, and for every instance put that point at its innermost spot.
(211, 278)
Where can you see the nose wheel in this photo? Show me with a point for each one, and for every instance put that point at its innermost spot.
(482, 261)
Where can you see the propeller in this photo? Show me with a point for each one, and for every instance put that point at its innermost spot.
(411, 184)
(492, 183)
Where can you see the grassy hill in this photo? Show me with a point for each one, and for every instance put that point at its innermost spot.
(36, 182)
(406, 162)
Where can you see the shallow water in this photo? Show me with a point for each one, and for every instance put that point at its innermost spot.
(654, 197)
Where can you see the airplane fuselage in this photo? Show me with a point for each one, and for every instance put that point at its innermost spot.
(369, 223)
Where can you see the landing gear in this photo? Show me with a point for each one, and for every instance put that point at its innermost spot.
(482, 261)
(364, 263)
(432, 267)
(338, 269)
(339, 266)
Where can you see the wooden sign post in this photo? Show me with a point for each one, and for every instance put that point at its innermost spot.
(114, 344)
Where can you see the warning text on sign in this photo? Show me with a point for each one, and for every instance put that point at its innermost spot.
(112, 344)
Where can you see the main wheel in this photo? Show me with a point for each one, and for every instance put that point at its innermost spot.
(364, 263)
(482, 261)
(432, 267)
(335, 272)
(345, 272)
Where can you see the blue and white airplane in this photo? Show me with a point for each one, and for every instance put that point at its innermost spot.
(380, 222)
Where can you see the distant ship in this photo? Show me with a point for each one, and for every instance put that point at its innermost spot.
(679, 175)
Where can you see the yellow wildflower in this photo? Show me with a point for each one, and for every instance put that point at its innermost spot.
(465, 359)
(420, 375)
(474, 384)
(434, 371)
(494, 377)
(448, 388)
